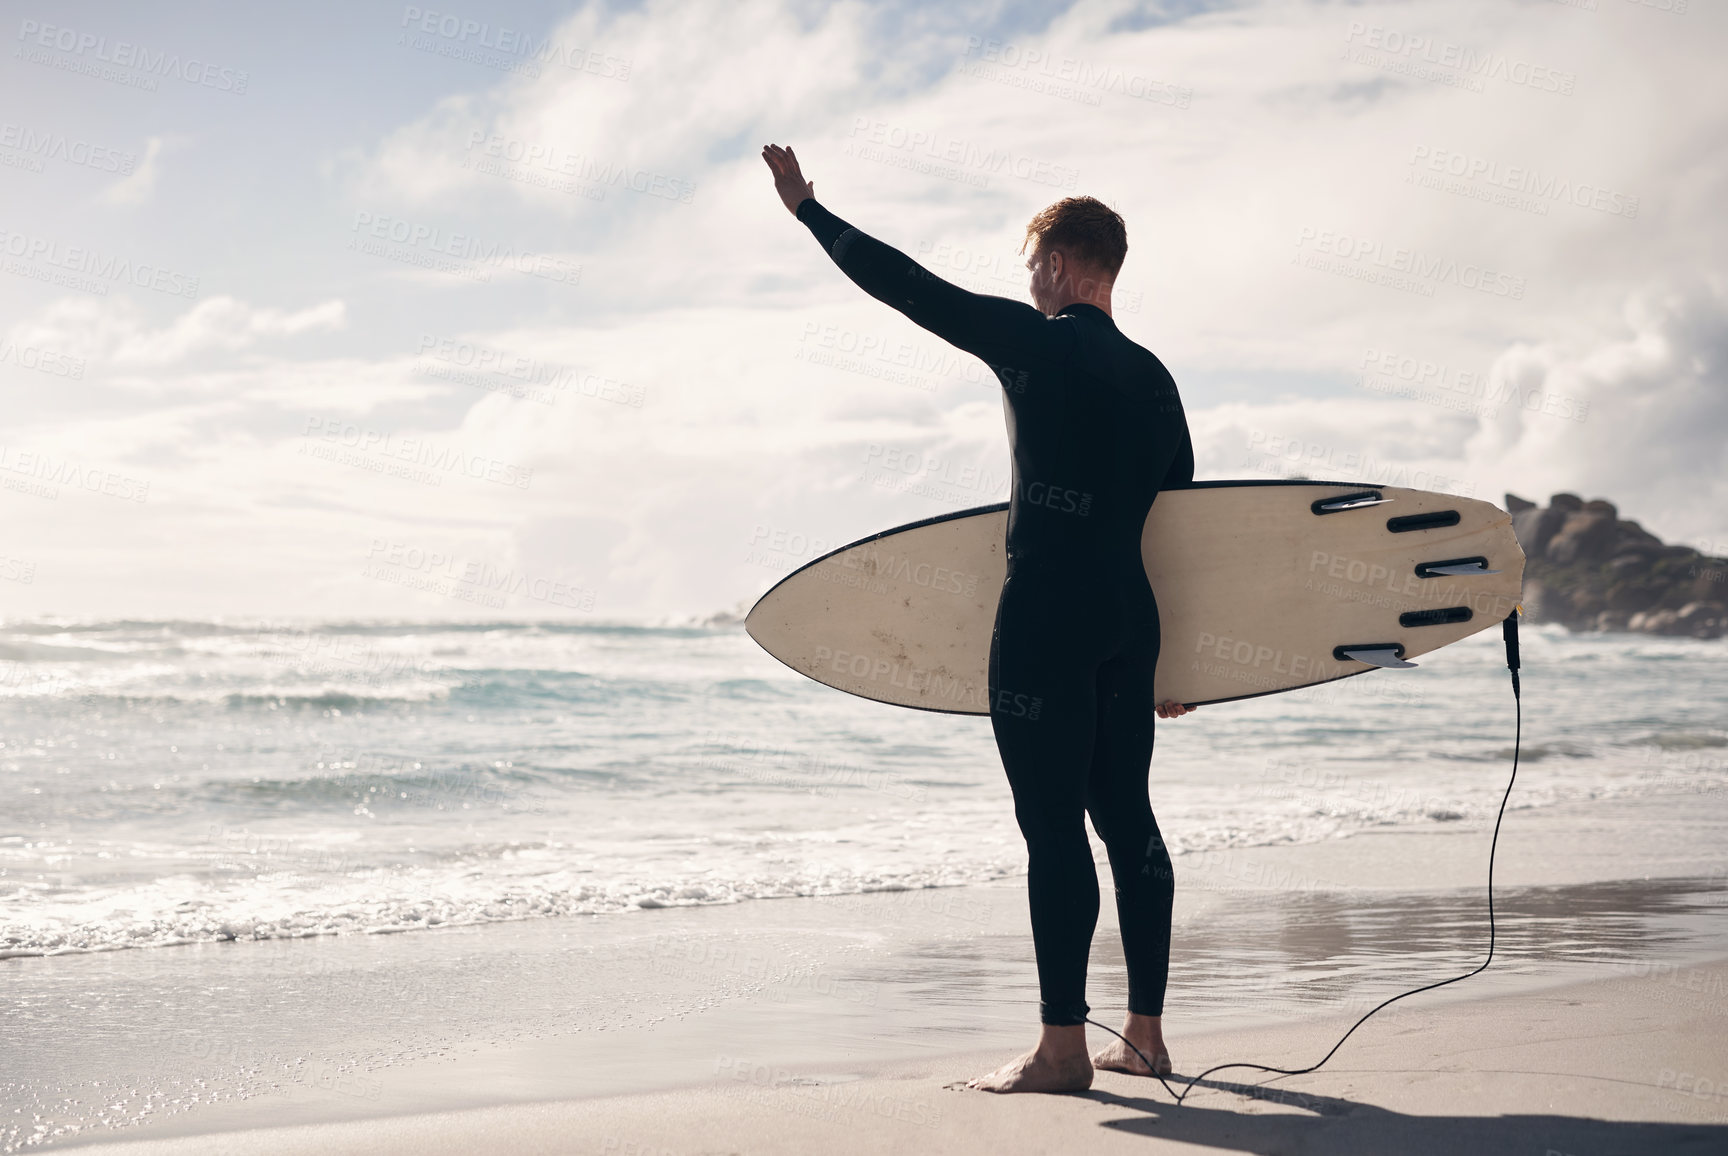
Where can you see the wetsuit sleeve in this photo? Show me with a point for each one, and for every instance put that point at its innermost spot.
(1002, 331)
(1181, 472)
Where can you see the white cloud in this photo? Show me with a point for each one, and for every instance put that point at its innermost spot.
(114, 330)
(704, 306)
(136, 187)
(1654, 438)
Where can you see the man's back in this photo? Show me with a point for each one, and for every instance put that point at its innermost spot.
(1096, 433)
(1095, 423)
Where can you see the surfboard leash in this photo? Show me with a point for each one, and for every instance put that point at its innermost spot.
(1509, 632)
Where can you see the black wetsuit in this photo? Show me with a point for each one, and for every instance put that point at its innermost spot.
(1096, 428)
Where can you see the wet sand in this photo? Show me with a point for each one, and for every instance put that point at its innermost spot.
(1621, 1065)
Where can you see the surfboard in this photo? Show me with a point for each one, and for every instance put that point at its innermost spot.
(1263, 585)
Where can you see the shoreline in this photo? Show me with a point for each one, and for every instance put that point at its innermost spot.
(504, 1016)
(1328, 863)
(1571, 1069)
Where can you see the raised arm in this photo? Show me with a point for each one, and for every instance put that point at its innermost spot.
(1004, 332)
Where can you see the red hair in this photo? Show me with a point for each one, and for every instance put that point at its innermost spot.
(1085, 228)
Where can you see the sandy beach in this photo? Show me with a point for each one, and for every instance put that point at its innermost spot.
(1635, 1064)
(836, 1023)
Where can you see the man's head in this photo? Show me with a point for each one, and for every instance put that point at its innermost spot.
(1078, 245)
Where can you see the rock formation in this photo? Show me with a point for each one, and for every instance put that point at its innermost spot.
(1590, 570)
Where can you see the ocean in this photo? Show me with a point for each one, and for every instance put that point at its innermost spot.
(179, 782)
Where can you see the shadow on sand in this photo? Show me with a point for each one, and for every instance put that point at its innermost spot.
(1345, 1126)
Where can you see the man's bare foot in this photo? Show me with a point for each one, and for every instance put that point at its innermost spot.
(1147, 1034)
(1036, 1072)
(1057, 1064)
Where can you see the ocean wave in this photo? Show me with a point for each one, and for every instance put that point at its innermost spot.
(324, 700)
(384, 783)
(202, 920)
(1528, 753)
(255, 886)
(370, 627)
(46, 652)
(1682, 740)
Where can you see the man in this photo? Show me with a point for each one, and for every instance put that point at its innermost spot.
(1096, 428)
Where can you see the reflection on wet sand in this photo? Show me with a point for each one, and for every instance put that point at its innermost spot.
(1257, 956)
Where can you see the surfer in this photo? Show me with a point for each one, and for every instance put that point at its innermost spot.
(1096, 429)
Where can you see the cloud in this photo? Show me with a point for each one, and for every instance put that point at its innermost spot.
(136, 187)
(1654, 437)
(1279, 178)
(115, 330)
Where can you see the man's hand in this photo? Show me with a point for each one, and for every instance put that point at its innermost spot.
(789, 182)
(1173, 709)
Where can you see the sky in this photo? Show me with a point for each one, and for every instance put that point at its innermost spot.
(491, 311)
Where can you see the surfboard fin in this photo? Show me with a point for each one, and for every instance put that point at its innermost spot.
(1349, 502)
(1382, 656)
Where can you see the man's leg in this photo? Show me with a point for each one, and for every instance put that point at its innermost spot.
(1043, 713)
(1116, 798)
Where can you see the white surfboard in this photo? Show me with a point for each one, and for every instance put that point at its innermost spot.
(1262, 586)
